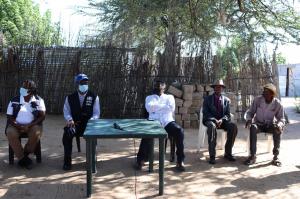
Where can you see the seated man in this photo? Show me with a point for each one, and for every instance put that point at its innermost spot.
(79, 107)
(266, 114)
(216, 115)
(161, 107)
(25, 113)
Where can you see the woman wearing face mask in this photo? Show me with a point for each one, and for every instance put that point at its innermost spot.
(79, 107)
(25, 113)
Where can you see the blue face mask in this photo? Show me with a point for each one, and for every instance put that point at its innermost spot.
(23, 92)
(83, 88)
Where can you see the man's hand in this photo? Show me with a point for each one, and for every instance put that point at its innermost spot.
(219, 123)
(279, 127)
(18, 126)
(248, 123)
(71, 124)
(23, 128)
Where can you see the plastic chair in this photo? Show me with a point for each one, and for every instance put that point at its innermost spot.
(37, 151)
(269, 139)
(202, 134)
(268, 135)
(172, 148)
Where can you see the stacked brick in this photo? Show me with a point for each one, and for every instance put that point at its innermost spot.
(233, 105)
(188, 102)
(233, 101)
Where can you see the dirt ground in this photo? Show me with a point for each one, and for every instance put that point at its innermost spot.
(116, 177)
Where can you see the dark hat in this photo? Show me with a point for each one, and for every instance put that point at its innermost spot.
(218, 83)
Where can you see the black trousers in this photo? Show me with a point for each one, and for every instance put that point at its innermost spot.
(173, 130)
(231, 130)
(259, 128)
(68, 136)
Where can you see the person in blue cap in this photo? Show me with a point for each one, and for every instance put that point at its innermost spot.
(79, 107)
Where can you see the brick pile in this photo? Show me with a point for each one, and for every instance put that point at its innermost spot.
(189, 100)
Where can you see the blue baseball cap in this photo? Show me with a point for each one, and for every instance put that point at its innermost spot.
(81, 77)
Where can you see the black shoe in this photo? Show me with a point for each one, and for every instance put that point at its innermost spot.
(29, 164)
(229, 158)
(251, 160)
(180, 167)
(276, 161)
(138, 165)
(212, 160)
(67, 163)
(67, 167)
(25, 162)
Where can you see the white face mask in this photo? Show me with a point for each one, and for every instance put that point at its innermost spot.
(23, 92)
(83, 88)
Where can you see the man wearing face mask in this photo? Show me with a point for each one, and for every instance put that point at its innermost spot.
(266, 114)
(79, 107)
(161, 107)
(25, 114)
(216, 115)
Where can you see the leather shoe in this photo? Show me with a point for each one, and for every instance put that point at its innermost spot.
(251, 160)
(139, 165)
(180, 167)
(25, 162)
(229, 157)
(67, 163)
(276, 161)
(212, 160)
(67, 167)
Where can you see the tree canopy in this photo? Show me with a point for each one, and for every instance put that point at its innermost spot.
(271, 20)
(21, 23)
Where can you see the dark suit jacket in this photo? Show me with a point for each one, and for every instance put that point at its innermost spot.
(210, 110)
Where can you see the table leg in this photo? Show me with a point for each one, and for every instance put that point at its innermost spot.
(151, 155)
(161, 165)
(88, 167)
(94, 156)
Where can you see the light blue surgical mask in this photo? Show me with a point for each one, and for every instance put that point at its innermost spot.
(83, 88)
(23, 92)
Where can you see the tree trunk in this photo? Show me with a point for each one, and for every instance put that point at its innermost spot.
(275, 73)
(169, 55)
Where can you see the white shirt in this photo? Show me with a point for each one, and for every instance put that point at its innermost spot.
(161, 108)
(67, 109)
(25, 115)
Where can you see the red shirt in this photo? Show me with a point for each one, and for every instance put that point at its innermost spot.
(218, 105)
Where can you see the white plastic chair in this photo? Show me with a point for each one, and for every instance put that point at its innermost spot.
(202, 134)
(268, 135)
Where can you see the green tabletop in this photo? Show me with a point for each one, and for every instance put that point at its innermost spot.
(132, 128)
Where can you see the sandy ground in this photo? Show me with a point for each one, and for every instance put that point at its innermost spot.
(116, 177)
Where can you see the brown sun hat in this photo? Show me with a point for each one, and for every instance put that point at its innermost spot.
(271, 87)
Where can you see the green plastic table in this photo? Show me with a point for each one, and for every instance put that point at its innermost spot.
(132, 128)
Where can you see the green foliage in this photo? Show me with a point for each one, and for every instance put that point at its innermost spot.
(22, 24)
(173, 26)
(280, 59)
(272, 20)
(151, 22)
